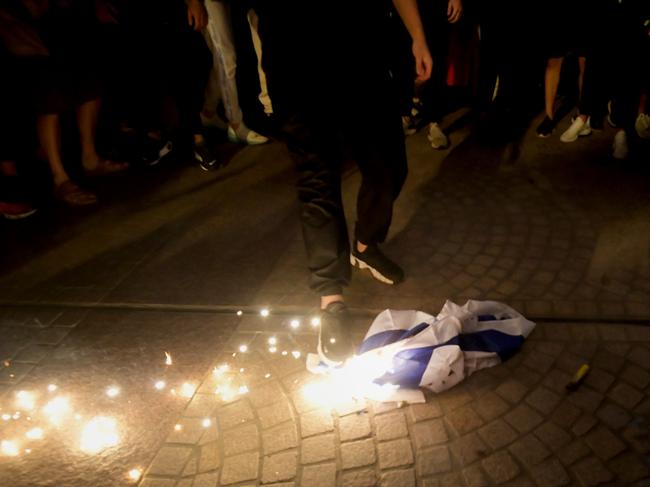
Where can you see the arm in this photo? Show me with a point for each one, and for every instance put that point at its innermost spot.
(197, 15)
(408, 11)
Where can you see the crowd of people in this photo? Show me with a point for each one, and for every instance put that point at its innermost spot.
(146, 80)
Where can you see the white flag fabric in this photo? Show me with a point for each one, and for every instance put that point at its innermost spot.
(439, 352)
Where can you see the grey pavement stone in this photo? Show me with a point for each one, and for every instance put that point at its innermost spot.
(392, 426)
(583, 425)
(468, 449)
(625, 395)
(604, 443)
(354, 427)
(551, 474)
(552, 436)
(358, 454)
(266, 394)
(240, 468)
(318, 449)
(429, 433)
(202, 406)
(210, 458)
(630, 468)
(235, 414)
(539, 361)
(395, 453)
(543, 400)
(451, 480)
(512, 391)
(398, 478)
(319, 475)
(351, 407)
(613, 416)
(475, 477)
(464, 420)
(190, 431)
(591, 471)
(566, 414)
(33, 354)
(192, 466)
(206, 480)
(556, 380)
(573, 452)
(280, 438)
(170, 460)
(420, 412)
(498, 434)
(274, 414)
(316, 422)
(529, 450)
(359, 478)
(154, 482)
(636, 376)
(609, 361)
(52, 336)
(491, 406)
(454, 398)
(500, 467)
(599, 379)
(523, 418)
(433, 461)
(640, 356)
(586, 399)
(186, 483)
(15, 373)
(242, 439)
(281, 466)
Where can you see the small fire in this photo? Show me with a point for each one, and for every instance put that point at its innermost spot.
(168, 359)
(98, 434)
(264, 313)
(25, 400)
(160, 385)
(135, 474)
(206, 423)
(243, 348)
(243, 390)
(9, 448)
(296, 354)
(273, 341)
(273, 349)
(52, 387)
(113, 391)
(56, 409)
(178, 427)
(35, 434)
(295, 324)
(187, 390)
(315, 321)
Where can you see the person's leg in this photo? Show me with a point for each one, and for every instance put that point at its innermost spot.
(265, 99)
(551, 82)
(48, 130)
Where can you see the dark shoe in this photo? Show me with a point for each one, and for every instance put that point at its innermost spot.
(334, 342)
(206, 157)
(546, 127)
(152, 151)
(381, 267)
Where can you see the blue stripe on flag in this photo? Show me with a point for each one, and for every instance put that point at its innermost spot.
(409, 365)
(389, 336)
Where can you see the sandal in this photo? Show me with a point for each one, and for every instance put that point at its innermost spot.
(105, 167)
(73, 196)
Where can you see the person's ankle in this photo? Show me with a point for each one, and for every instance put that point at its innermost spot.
(60, 179)
(325, 301)
(361, 247)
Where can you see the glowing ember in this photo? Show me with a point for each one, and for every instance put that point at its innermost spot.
(52, 387)
(206, 423)
(28, 450)
(9, 448)
(241, 371)
(315, 321)
(16, 415)
(226, 392)
(135, 474)
(6, 417)
(98, 434)
(273, 341)
(25, 400)
(113, 391)
(284, 353)
(264, 313)
(178, 427)
(77, 417)
(295, 324)
(296, 354)
(243, 348)
(266, 376)
(160, 385)
(240, 312)
(243, 390)
(56, 409)
(222, 369)
(272, 349)
(168, 359)
(187, 390)
(35, 434)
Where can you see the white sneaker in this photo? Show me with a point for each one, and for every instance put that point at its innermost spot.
(213, 122)
(246, 136)
(642, 125)
(437, 137)
(579, 128)
(620, 149)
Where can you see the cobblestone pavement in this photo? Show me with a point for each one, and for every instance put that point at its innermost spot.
(514, 424)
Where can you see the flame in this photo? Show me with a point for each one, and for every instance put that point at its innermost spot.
(206, 423)
(187, 390)
(35, 434)
(243, 348)
(9, 448)
(135, 474)
(168, 359)
(56, 409)
(160, 385)
(52, 387)
(315, 321)
(296, 354)
(243, 390)
(264, 313)
(222, 369)
(98, 434)
(113, 391)
(272, 349)
(25, 400)
(295, 324)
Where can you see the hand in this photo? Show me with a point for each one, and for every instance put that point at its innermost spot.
(454, 11)
(197, 16)
(423, 61)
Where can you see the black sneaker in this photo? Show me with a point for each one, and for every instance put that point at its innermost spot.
(545, 128)
(152, 151)
(334, 342)
(381, 267)
(206, 157)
